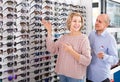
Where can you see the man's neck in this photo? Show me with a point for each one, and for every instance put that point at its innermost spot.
(99, 32)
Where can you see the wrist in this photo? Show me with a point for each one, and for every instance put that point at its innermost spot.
(49, 34)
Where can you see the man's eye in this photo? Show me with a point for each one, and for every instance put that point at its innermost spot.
(99, 21)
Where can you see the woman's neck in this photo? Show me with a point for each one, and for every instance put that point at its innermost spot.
(74, 33)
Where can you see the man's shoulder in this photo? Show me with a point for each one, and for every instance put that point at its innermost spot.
(109, 35)
(92, 33)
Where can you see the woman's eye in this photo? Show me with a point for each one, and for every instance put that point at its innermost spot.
(74, 21)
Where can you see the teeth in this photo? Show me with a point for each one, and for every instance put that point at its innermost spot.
(76, 27)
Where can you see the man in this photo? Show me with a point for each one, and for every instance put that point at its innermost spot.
(104, 51)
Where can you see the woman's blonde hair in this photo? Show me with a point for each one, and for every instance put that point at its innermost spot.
(69, 19)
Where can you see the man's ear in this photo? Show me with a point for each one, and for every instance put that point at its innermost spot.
(106, 25)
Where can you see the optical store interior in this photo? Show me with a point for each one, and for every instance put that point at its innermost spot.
(23, 53)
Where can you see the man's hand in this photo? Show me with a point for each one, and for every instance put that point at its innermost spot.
(100, 55)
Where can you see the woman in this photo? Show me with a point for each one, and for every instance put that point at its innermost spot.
(73, 50)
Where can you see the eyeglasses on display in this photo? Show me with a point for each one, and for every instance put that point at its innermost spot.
(36, 6)
(36, 1)
(14, 77)
(11, 16)
(11, 57)
(14, 50)
(11, 37)
(36, 24)
(22, 10)
(10, 23)
(24, 55)
(9, 2)
(23, 17)
(48, 2)
(23, 24)
(47, 7)
(25, 80)
(10, 9)
(23, 4)
(38, 77)
(9, 64)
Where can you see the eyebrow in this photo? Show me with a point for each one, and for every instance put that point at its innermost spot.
(98, 20)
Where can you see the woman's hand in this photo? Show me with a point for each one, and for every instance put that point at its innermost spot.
(47, 25)
(67, 47)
